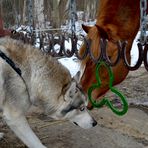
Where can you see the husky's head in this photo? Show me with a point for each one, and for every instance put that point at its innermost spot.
(74, 106)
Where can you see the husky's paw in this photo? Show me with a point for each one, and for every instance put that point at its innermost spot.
(1, 135)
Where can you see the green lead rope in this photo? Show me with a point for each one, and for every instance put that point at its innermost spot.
(106, 101)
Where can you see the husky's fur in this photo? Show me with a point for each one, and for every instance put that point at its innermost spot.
(44, 83)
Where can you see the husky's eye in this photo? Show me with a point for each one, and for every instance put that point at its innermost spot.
(82, 108)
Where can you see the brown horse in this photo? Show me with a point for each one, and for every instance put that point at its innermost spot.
(116, 20)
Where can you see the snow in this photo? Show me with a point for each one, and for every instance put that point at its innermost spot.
(134, 51)
(72, 64)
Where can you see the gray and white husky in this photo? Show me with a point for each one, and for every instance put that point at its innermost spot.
(43, 82)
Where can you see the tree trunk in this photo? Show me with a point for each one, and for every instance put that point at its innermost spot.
(39, 13)
(23, 14)
(55, 14)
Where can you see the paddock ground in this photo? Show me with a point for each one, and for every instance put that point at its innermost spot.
(129, 131)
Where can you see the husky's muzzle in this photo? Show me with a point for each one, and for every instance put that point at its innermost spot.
(84, 120)
(94, 123)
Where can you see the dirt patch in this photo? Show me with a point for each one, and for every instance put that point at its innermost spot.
(129, 131)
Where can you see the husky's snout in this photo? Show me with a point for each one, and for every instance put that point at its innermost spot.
(84, 120)
(75, 123)
(94, 123)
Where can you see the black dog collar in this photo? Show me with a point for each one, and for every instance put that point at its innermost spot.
(10, 62)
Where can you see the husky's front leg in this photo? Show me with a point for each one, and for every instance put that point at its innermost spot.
(19, 125)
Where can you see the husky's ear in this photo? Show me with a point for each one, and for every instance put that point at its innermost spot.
(64, 89)
(77, 77)
(86, 28)
(70, 92)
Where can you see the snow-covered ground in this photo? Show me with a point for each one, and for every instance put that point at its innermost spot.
(72, 64)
